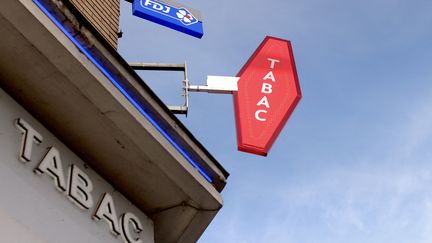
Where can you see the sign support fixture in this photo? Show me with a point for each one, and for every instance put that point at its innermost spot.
(215, 84)
(265, 92)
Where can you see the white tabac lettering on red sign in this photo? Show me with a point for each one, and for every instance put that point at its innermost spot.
(268, 92)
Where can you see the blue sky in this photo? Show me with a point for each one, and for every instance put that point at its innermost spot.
(354, 162)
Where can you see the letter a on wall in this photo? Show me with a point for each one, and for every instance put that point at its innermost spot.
(268, 92)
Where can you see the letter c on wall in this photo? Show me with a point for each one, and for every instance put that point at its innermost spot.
(126, 220)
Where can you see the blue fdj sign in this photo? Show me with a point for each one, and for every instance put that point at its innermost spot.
(175, 18)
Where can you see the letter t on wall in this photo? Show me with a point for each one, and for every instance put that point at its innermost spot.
(30, 136)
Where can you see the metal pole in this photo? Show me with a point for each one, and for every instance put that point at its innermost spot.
(158, 66)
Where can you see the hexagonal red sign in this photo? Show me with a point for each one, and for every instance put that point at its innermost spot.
(268, 92)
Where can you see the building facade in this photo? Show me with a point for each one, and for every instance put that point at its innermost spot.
(88, 152)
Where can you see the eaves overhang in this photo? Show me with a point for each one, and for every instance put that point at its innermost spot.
(121, 129)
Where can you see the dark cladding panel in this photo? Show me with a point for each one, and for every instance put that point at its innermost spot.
(103, 15)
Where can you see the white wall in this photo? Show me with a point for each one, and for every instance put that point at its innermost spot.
(32, 209)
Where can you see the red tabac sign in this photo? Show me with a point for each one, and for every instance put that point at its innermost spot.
(268, 92)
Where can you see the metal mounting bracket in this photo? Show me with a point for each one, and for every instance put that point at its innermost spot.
(215, 84)
(182, 109)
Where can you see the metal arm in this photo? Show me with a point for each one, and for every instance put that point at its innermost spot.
(215, 84)
(183, 109)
